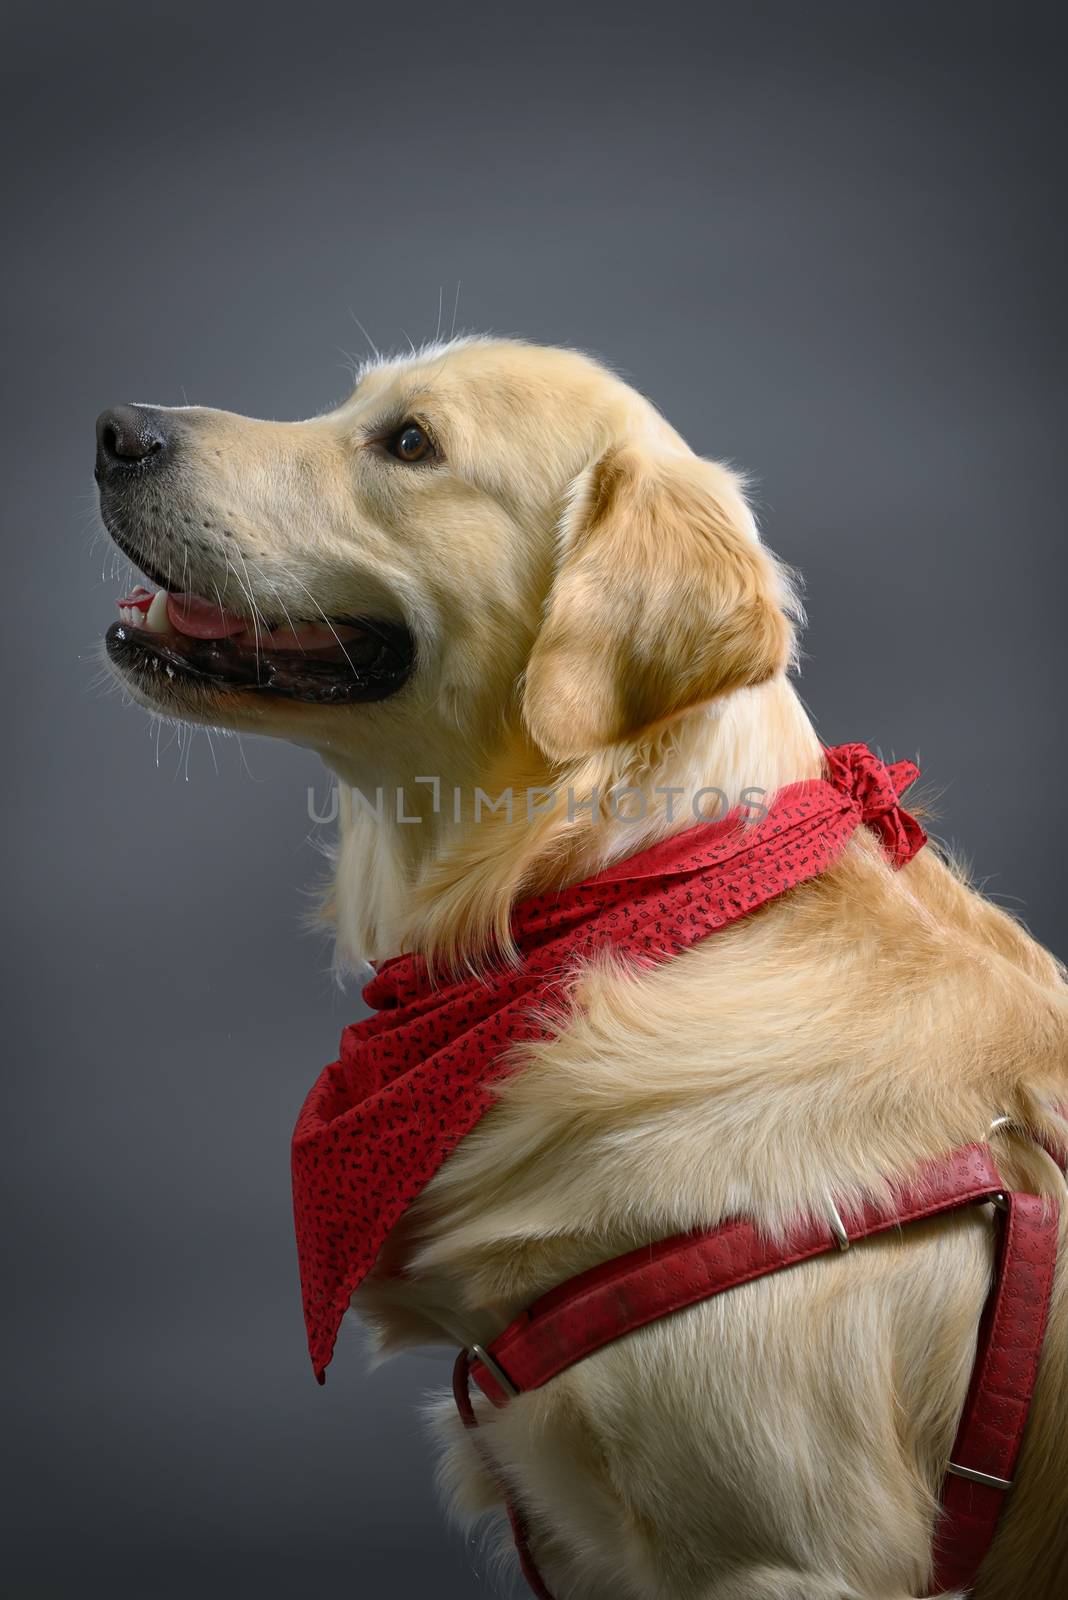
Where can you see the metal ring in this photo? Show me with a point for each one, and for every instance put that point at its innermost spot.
(499, 1376)
(1010, 1124)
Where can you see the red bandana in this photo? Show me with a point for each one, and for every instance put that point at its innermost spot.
(415, 1078)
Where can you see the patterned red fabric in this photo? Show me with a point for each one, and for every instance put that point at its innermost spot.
(412, 1080)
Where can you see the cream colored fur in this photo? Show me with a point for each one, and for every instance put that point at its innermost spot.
(593, 607)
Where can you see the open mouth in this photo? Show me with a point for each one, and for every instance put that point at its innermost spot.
(343, 661)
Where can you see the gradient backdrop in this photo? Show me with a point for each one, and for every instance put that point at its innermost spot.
(828, 240)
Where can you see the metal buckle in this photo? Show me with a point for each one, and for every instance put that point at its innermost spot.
(1000, 1200)
(841, 1237)
(499, 1376)
(985, 1478)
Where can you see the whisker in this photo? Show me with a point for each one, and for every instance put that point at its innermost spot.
(325, 618)
(257, 616)
(245, 585)
(277, 595)
(246, 590)
(244, 760)
(367, 336)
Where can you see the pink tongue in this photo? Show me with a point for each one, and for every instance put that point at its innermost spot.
(201, 619)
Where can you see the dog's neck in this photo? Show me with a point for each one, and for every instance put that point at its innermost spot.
(432, 853)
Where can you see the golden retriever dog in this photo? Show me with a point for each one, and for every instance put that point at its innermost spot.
(498, 565)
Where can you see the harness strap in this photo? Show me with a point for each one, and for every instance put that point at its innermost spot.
(990, 1432)
(461, 1390)
(617, 1297)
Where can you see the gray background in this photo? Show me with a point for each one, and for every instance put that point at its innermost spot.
(827, 240)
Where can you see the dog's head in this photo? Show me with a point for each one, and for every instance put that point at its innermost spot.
(483, 533)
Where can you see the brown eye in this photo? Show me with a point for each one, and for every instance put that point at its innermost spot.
(411, 443)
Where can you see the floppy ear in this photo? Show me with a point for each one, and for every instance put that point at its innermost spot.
(665, 599)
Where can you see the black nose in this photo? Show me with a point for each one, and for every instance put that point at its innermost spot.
(126, 436)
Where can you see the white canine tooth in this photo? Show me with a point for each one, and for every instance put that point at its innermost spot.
(156, 615)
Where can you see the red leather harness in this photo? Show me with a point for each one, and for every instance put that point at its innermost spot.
(613, 1299)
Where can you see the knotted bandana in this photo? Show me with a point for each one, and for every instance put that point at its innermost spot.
(416, 1077)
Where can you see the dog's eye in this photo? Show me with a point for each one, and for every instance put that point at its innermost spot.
(411, 443)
